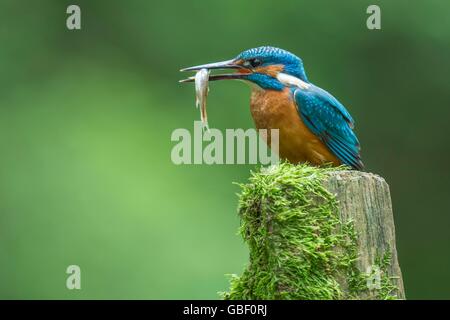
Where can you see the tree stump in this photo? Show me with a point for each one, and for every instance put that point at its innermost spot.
(317, 233)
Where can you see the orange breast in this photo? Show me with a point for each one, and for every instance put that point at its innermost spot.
(276, 110)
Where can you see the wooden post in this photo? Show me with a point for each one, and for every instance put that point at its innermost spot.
(317, 233)
(365, 199)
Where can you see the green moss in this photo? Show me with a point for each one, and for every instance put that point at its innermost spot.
(299, 248)
(387, 288)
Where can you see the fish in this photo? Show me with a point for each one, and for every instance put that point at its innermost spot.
(201, 93)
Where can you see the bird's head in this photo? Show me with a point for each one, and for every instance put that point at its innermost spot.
(267, 67)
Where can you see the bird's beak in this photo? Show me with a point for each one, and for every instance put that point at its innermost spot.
(228, 64)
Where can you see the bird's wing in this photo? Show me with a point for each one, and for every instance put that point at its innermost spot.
(327, 118)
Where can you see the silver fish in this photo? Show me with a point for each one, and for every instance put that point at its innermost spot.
(201, 92)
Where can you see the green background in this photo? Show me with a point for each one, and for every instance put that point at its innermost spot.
(86, 118)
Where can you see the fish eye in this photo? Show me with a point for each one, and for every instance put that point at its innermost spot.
(255, 62)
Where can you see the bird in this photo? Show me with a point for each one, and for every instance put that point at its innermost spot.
(314, 127)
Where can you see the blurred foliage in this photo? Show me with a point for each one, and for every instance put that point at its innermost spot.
(86, 118)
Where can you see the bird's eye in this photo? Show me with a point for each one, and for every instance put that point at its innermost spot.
(252, 63)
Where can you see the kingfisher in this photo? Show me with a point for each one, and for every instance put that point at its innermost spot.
(314, 127)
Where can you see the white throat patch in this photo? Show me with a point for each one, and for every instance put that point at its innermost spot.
(289, 80)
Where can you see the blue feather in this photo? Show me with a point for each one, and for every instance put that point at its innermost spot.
(327, 118)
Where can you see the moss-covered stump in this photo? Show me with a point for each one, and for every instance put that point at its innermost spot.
(317, 233)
